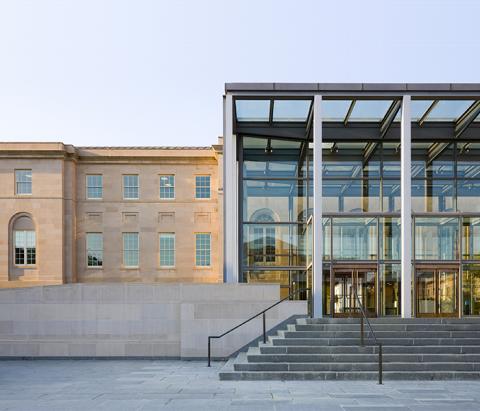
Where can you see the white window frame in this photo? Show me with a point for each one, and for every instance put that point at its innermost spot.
(124, 250)
(167, 235)
(209, 186)
(160, 187)
(131, 186)
(23, 182)
(87, 248)
(25, 258)
(209, 251)
(87, 187)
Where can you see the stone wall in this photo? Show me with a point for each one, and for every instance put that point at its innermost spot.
(134, 320)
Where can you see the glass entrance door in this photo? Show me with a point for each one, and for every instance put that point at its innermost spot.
(436, 291)
(347, 281)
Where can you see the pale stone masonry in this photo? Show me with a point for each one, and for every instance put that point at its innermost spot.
(61, 215)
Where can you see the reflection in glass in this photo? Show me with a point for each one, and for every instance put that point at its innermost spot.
(468, 160)
(471, 289)
(389, 238)
(390, 286)
(271, 245)
(426, 300)
(391, 196)
(351, 195)
(471, 238)
(468, 195)
(284, 200)
(447, 287)
(354, 238)
(289, 281)
(432, 196)
(426, 163)
(436, 238)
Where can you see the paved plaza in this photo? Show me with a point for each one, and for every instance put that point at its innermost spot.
(186, 385)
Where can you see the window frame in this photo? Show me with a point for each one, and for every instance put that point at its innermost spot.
(97, 267)
(137, 187)
(160, 187)
(171, 235)
(204, 266)
(209, 186)
(87, 187)
(131, 250)
(25, 248)
(17, 182)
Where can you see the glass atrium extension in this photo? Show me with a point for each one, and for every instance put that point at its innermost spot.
(271, 215)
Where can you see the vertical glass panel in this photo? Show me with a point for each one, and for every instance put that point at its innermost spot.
(426, 298)
(471, 289)
(436, 238)
(468, 195)
(252, 110)
(94, 249)
(326, 291)
(167, 249)
(351, 195)
(365, 287)
(354, 238)
(433, 196)
(130, 249)
(291, 110)
(447, 291)
(390, 286)
(202, 249)
(389, 238)
(391, 195)
(327, 235)
(471, 238)
(274, 201)
(391, 160)
(343, 296)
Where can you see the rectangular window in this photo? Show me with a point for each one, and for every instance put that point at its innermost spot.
(131, 250)
(130, 187)
(25, 248)
(202, 249)
(23, 182)
(436, 238)
(167, 187)
(167, 250)
(94, 186)
(202, 186)
(94, 250)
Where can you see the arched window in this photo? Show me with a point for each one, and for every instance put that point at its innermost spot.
(264, 237)
(24, 241)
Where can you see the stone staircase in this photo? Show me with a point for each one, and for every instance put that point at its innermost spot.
(329, 348)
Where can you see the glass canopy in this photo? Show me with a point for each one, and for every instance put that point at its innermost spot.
(273, 110)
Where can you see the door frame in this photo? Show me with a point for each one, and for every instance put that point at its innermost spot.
(436, 268)
(354, 268)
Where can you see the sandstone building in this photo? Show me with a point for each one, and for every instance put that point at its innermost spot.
(106, 214)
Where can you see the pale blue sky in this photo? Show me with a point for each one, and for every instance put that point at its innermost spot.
(140, 72)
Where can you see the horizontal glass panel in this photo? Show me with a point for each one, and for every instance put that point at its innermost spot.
(335, 110)
(390, 279)
(471, 289)
(436, 238)
(291, 110)
(351, 195)
(432, 196)
(432, 160)
(468, 195)
(271, 245)
(468, 160)
(370, 110)
(277, 169)
(390, 238)
(471, 238)
(252, 110)
(391, 196)
(449, 110)
(354, 238)
(391, 160)
(274, 201)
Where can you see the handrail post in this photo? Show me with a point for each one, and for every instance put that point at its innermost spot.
(380, 364)
(209, 338)
(264, 329)
(361, 331)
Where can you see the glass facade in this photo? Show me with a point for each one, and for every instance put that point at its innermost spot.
(361, 202)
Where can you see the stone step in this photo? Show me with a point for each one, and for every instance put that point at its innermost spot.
(360, 366)
(278, 340)
(385, 327)
(390, 320)
(359, 358)
(357, 349)
(381, 334)
(357, 375)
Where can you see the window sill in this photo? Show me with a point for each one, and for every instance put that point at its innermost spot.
(94, 199)
(202, 267)
(173, 268)
(23, 195)
(24, 266)
(136, 268)
(94, 268)
(167, 199)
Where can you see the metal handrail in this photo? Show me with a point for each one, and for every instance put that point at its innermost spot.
(262, 313)
(362, 342)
